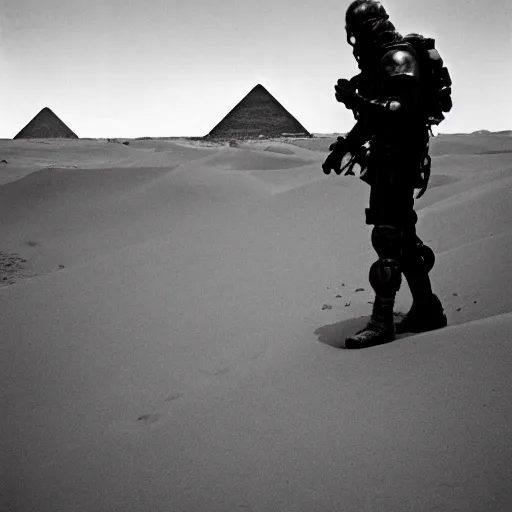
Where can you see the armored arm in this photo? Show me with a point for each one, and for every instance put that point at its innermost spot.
(351, 143)
(399, 72)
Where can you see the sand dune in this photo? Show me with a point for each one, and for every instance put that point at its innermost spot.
(26, 156)
(464, 144)
(248, 160)
(483, 211)
(175, 339)
(476, 277)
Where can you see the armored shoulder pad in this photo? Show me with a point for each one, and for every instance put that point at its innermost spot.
(400, 62)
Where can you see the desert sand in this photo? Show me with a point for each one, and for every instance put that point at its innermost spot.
(172, 320)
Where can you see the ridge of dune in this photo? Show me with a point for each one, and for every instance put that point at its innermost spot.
(445, 186)
(481, 211)
(284, 148)
(475, 279)
(481, 185)
(244, 159)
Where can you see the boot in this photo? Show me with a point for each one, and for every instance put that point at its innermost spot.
(426, 314)
(380, 329)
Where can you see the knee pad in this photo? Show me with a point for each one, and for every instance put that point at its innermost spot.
(387, 241)
(419, 257)
(385, 277)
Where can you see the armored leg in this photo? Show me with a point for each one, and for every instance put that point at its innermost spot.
(426, 312)
(417, 261)
(385, 278)
(385, 273)
(400, 250)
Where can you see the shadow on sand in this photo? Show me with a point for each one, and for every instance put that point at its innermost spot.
(334, 335)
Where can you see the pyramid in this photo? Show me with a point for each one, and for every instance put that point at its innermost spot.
(46, 125)
(259, 113)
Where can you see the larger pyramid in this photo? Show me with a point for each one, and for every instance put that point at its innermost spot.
(46, 125)
(258, 113)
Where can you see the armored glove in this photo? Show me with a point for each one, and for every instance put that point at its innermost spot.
(344, 92)
(333, 161)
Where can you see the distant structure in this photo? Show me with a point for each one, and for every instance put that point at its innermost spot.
(258, 114)
(46, 125)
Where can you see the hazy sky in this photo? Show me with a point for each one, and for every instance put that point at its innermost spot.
(131, 68)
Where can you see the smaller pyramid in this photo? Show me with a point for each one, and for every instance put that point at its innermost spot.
(46, 125)
(258, 113)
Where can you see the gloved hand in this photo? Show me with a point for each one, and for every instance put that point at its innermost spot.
(345, 93)
(339, 145)
(333, 161)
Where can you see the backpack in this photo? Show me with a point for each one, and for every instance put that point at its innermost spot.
(435, 94)
(434, 79)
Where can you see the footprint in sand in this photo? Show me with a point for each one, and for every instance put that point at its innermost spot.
(12, 268)
(148, 419)
(174, 396)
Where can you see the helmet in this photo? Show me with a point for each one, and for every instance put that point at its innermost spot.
(362, 17)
